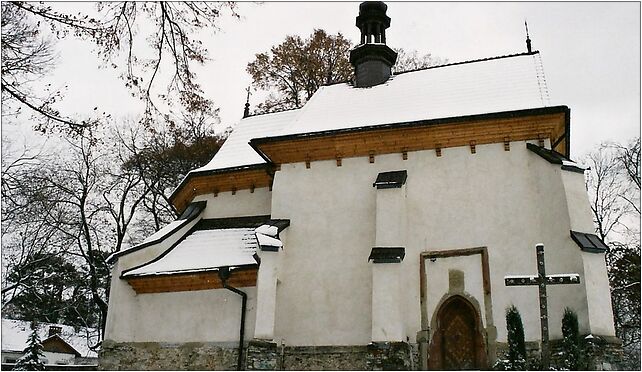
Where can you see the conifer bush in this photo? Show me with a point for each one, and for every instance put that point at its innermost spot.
(31, 361)
(515, 358)
(572, 354)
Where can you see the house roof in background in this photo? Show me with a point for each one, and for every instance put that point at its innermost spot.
(16, 332)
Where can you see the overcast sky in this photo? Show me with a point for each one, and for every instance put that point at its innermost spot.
(590, 52)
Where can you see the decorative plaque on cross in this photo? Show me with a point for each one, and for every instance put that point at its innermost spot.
(542, 280)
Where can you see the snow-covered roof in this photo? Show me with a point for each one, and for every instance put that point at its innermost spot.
(16, 332)
(204, 250)
(190, 213)
(477, 87)
(236, 150)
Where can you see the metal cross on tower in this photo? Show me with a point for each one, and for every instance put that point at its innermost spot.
(542, 280)
(246, 111)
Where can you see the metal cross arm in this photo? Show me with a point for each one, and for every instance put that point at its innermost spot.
(541, 280)
(520, 280)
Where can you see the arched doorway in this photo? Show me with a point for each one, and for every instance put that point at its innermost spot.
(457, 342)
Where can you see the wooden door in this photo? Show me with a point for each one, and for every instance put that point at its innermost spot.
(457, 343)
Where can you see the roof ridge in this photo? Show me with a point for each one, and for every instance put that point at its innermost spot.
(272, 112)
(470, 61)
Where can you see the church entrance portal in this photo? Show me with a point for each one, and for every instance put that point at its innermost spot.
(457, 343)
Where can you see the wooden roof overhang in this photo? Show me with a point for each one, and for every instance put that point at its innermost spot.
(542, 123)
(242, 276)
(221, 180)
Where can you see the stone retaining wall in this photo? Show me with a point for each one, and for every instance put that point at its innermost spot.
(161, 356)
(260, 355)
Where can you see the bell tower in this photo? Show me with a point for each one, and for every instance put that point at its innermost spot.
(372, 58)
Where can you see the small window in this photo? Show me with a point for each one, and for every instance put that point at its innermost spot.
(589, 242)
(390, 180)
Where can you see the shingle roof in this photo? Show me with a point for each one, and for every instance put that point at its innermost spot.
(477, 87)
(204, 250)
(483, 86)
(236, 151)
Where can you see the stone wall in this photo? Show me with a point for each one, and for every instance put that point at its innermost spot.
(260, 355)
(162, 356)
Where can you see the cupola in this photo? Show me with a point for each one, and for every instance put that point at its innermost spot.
(372, 58)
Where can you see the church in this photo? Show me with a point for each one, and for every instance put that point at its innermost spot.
(386, 224)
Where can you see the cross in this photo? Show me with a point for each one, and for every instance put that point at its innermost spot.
(542, 280)
(246, 111)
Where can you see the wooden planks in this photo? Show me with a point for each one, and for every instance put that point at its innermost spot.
(404, 139)
(191, 281)
(372, 142)
(221, 182)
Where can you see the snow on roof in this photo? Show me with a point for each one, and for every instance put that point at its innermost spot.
(479, 87)
(265, 240)
(16, 332)
(205, 250)
(492, 85)
(236, 150)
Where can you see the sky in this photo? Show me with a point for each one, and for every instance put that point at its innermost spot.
(590, 52)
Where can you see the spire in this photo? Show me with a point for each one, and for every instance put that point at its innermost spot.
(246, 112)
(528, 39)
(372, 58)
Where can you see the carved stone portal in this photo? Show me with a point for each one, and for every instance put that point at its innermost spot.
(457, 343)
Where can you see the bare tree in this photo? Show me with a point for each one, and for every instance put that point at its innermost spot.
(78, 206)
(26, 53)
(614, 188)
(412, 60)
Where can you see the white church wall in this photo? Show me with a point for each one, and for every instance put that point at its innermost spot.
(579, 209)
(210, 315)
(386, 312)
(243, 203)
(122, 307)
(324, 295)
(562, 255)
(193, 316)
(507, 201)
(598, 294)
(439, 286)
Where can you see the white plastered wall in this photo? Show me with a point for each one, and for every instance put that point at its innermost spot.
(191, 316)
(598, 293)
(438, 286)
(243, 203)
(507, 201)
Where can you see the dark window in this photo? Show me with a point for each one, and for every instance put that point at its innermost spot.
(588, 242)
(390, 180)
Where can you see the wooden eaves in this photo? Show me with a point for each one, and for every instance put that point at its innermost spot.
(551, 123)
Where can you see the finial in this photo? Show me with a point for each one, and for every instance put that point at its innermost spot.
(246, 112)
(528, 39)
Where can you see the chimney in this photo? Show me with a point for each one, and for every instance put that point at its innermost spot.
(54, 330)
(372, 58)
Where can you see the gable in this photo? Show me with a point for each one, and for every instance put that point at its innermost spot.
(55, 344)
